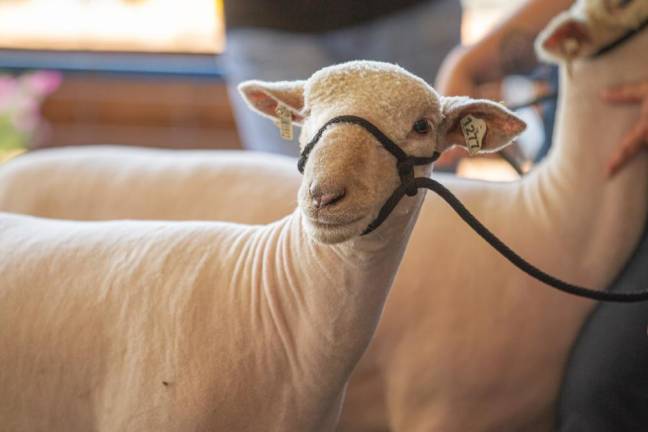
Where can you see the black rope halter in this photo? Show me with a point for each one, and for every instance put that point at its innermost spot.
(410, 185)
(620, 40)
(405, 164)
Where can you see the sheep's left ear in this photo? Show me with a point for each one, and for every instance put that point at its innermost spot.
(479, 125)
(268, 98)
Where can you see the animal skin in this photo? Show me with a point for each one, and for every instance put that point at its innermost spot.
(177, 326)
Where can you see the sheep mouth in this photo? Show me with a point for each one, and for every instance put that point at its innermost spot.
(335, 231)
(322, 222)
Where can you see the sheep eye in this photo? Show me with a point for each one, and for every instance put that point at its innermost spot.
(615, 5)
(421, 127)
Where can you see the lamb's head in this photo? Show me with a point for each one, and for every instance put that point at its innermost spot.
(349, 174)
(588, 26)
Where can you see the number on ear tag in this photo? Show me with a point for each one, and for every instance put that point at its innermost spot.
(473, 130)
(284, 122)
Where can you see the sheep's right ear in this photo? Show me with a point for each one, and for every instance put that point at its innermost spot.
(479, 125)
(266, 97)
(565, 38)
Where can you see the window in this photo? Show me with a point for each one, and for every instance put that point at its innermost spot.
(160, 26)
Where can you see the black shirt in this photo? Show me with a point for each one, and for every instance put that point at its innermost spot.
(308, 16)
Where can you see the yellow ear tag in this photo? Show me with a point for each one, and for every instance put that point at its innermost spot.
(473, 130)
(284, 122)
(570, 48)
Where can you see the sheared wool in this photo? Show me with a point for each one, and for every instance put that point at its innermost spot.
(112, 182)
(129, 325)
(468, 342)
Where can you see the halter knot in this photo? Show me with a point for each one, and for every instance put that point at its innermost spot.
(406, 173)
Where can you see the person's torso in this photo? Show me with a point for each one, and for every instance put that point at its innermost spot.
(308, 16)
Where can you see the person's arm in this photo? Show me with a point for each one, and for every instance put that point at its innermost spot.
(635, 140)
(505, 50)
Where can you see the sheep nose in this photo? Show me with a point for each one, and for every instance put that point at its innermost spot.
(323, 197)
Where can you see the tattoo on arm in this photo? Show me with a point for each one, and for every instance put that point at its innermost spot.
(516, 52)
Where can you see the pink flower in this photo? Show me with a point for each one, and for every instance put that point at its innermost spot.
(41, 83)
(20, 100)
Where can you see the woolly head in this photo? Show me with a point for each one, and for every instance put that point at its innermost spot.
(588, 26)
(349, 174)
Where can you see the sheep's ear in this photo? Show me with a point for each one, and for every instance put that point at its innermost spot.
(479, 125)
(564, 39)
(266, 97)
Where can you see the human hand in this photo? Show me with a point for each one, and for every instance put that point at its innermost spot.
(636, 140)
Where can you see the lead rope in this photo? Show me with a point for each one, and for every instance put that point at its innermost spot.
(410, 185)
(517, 260)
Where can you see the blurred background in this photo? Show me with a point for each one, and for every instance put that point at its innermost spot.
(148, 73)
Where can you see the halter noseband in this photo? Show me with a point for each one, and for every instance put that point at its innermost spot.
(620, 40)
(405, 164)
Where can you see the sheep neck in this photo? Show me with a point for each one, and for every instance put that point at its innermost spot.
(325, 300)
(571, 190)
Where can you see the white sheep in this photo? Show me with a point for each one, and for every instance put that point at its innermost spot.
(215, 326)
(466, 342)
(111, 182)
(469, 343)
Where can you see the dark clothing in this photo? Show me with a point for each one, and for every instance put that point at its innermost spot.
(308, 16)
(605, 387)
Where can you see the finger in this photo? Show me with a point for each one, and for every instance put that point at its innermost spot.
(631, 144)
(626, 93)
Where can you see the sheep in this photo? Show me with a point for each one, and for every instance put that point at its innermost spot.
(469, 343)
(466, 341)
(588, 26)
(134, 325)
(112, 182)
